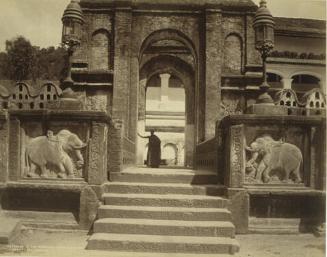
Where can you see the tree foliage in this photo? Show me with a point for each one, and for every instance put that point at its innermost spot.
(20, 58)
(23, 61)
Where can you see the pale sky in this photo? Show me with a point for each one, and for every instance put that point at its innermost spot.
(40, 20)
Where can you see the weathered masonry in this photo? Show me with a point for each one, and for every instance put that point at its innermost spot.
(188, 69)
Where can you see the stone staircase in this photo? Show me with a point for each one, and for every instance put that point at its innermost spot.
(166, 211)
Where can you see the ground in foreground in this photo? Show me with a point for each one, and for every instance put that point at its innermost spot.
(67, 243)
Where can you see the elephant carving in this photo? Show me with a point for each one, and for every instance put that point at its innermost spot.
(270, 157)
(55, 152)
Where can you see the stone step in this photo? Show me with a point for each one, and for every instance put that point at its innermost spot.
(164, 213)
(163, 244)
(163, 188)
(165, 227)
(175, 176)
(195, 201)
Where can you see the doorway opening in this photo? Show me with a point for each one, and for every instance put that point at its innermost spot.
(165, 114)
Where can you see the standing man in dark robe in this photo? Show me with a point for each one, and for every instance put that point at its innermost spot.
(154, 150)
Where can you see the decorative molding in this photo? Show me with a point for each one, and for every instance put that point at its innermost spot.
(296, 55)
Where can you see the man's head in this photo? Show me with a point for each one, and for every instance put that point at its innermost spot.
(152, 131)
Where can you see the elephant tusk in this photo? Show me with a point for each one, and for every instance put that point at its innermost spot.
(80, 147)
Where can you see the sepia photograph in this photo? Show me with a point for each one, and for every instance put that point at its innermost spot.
(163, 128)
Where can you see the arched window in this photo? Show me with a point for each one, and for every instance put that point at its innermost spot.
(232, 54)
(302, 83)
(100, 50)
(169, 154)
(274, 80)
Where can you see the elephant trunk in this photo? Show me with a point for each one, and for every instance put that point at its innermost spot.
(80, 159)
(249, 149)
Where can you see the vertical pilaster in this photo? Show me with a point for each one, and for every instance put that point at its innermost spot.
(213, 63)
(134, 98)
(121, 87)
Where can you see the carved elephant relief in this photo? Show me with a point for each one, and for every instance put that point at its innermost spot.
(269, 156)
(56, 152)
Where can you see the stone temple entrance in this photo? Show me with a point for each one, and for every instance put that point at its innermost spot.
(135, 59)
(167, 98)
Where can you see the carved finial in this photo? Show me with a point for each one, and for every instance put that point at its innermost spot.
(263, 3)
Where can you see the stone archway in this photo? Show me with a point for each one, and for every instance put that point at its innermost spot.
(169, 57)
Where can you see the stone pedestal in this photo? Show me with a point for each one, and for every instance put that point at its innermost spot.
(239, 205)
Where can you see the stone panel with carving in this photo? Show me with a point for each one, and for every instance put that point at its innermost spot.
(54, 155)
(97, 102)
(273, 161)
(230, 104)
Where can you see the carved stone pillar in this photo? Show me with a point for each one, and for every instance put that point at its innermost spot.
(97, 169)
(236, 157)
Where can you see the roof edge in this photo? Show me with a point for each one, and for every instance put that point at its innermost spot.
(244, 5)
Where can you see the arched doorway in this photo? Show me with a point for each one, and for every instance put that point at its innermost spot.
(166, 100)
(302, 83)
